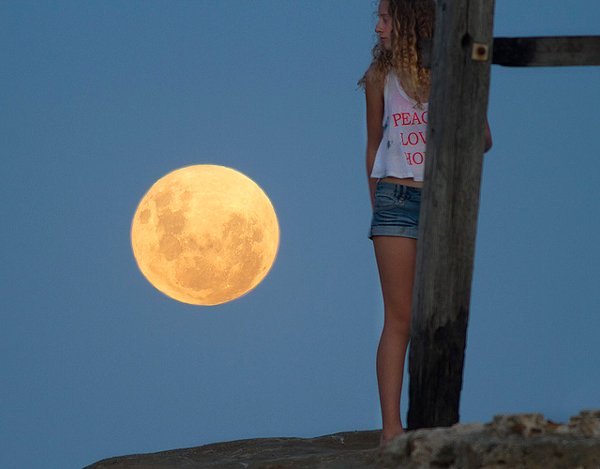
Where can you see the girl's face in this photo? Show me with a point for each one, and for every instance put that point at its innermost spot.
(384, 25)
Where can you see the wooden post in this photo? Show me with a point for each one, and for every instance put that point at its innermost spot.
(458, 106)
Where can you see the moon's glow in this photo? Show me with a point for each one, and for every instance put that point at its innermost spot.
(205, 234)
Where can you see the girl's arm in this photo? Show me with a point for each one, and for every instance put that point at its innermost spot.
(488, 137)
(374, 96)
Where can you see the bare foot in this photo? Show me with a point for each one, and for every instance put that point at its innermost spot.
(387, 436)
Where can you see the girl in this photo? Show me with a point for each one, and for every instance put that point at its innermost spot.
(397, 93)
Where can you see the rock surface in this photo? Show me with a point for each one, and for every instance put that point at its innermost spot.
(509, 441)
(352, 450)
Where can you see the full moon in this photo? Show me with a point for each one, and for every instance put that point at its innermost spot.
(205, 235)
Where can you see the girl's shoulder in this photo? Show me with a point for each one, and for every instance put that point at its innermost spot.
(374, 79)
(370, 73)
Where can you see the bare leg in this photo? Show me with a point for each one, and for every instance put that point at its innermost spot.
(396, 258)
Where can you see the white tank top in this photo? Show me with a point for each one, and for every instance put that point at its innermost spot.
(401, 152)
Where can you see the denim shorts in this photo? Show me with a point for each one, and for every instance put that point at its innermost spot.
(396, 211)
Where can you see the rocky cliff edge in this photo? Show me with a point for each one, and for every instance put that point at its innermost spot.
(509, 441)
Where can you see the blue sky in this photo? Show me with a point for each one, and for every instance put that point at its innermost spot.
(100, 99)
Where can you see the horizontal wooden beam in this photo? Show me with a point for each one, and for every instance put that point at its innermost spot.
(546, 51)
(536, 51)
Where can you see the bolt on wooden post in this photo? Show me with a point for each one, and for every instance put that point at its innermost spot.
(460, 66)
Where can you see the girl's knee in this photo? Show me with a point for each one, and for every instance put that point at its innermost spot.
(398, 325)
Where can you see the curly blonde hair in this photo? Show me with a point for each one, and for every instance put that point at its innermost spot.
(412, 20)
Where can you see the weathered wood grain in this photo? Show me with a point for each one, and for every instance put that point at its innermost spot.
(547, 51)
(538, 51)
(458, 107)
